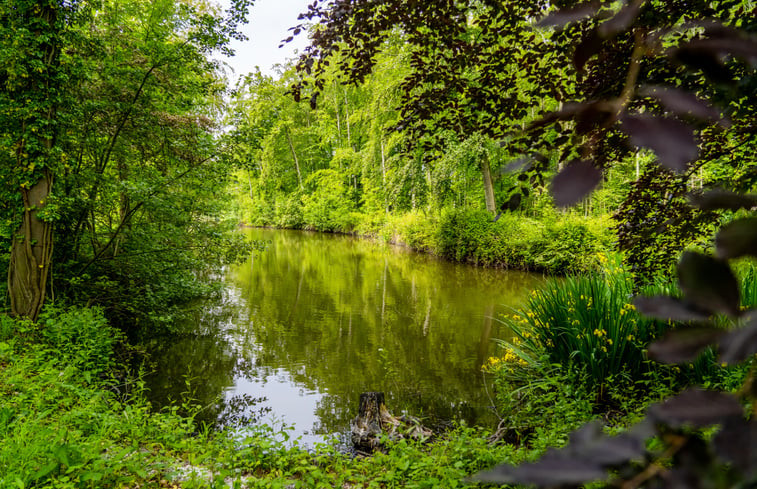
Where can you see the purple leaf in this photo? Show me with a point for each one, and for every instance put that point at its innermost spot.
(737, 239)
(555, 468)
(736, 443)
(682, 103)
(722, 199)
(588, 47)
(664, 307)
(739, 344)
(592, 115)
(709, 284)
(591, 444)
(697, 408)
(620, 21)
(683, 345)
(672, 140)
(565, 16)
(575, 182)
(736, 46)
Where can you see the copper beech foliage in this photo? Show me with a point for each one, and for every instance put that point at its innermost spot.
(708, 285)
(675, 78)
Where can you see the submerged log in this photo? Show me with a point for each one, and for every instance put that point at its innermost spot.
(374, 420)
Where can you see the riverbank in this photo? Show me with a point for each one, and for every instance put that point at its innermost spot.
(554, 242)
(68, 422)
(71, 416)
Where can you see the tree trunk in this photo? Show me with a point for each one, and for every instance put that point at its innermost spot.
(294, 156)
(347, 119)
(31, 254)
(32, 246)
(374, 420)
(491, 204)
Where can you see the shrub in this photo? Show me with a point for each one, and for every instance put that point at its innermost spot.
(570, 244)
(289, 213)
(414, 229)
(81, 337)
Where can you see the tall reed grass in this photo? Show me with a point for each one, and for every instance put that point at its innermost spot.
(587, 322)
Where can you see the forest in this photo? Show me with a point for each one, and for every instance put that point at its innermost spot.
(604, 148)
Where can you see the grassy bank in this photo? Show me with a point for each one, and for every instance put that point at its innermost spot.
(70, 417)
(553, 242)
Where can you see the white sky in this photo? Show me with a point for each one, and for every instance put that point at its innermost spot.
(269, 24)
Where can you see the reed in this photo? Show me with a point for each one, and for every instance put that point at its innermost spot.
(586, 322)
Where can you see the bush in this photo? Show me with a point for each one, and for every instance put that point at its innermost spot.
(289, 213)
(414, 229)
(81, 337)
(570, 244)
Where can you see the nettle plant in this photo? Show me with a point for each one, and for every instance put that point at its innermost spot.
(702, 439)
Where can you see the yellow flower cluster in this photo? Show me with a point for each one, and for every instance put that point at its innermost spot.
(509, 360)
(627, 308)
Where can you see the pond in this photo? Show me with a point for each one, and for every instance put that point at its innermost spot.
(304, 327)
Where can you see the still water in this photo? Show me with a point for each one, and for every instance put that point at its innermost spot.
(304, 327)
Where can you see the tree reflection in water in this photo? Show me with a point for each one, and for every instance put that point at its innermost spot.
(307, 325)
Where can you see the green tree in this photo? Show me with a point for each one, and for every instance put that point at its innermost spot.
(34, 75)
(113, 102)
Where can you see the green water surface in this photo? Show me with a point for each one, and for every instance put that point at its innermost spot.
(308, 324)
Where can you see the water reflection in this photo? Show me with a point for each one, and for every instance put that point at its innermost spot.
(317, 319)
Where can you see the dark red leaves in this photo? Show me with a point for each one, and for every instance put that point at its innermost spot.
(739, 344)
(562, 17)
(736, 443)
(590, 45)
(683, 103)
(721, 199)
(553, 469)
(737, 239)
(696, 408)
(591, 443)
(664, 307)
(709, 284)
(672, 140)
(684, 345)
(620, 21)
(575, 182)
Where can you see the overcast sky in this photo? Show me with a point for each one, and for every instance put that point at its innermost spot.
(269, 24)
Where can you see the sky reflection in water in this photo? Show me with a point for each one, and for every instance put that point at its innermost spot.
(316, 319)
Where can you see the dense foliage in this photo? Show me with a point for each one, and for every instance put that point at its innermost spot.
(110, 153)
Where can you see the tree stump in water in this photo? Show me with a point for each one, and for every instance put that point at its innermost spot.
(374, 419)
